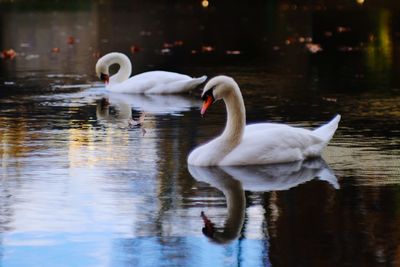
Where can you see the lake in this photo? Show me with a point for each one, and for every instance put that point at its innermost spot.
(82, 184)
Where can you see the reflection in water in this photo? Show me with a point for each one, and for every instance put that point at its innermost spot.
(235, 199)
(232, 181)
(115, 113)
(123, 112)
(379, 54)
(116, 109)
(155, 104)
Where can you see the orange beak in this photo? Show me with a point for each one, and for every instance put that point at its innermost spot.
(206, 104)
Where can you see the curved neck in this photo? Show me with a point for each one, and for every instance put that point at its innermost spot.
(125, 67)
(236, 117)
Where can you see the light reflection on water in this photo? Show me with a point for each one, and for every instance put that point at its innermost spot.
(109, 194)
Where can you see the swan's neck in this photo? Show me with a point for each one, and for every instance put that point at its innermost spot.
(125, 68)
(236, 118)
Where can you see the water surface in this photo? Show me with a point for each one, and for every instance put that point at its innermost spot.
(83, 185)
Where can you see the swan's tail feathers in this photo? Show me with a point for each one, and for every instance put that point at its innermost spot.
(181, 86)
(200, 80)
(326, 131)
(194, 82)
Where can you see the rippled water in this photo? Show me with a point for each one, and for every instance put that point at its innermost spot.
(83, 184)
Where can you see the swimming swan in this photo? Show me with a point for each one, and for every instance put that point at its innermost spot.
(151, 82)
(260, 143)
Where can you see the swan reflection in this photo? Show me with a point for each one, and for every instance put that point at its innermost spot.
(155, 104)
(116, 112)
(117, 108)
(232, 181)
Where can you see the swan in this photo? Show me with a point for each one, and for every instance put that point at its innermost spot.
(232, 181)
(151, 82)
(260, 143)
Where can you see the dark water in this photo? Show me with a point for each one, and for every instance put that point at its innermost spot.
(82, 185)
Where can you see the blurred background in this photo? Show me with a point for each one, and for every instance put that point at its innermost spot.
(356, 40)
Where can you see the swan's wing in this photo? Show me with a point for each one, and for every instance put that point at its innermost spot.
(251, 128)
(280, 143)
(161, 76)
(156, 82)
(143, 82)
(179, 85)
(132, 86)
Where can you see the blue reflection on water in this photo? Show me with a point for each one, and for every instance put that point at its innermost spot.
(56, 249)
(103, 249)
(194, 251)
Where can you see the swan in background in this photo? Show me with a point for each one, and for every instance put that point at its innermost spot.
(260, 143)
(233, 180)
(152, 82)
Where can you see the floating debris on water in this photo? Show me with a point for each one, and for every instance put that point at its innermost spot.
(233, 52)
(330, 99)
(314, 48)
(135, 49)
(32, 56)
(166, 51)
(342, 29)
(8, 54)
(25, 45)
(207, 49)
(178, 43)
(71, 40)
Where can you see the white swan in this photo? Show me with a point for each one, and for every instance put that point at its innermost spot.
(151, 82)
(261, 143)
(233, 180)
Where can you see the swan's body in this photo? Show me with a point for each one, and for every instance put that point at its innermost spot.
(152, 82)
(261, 143)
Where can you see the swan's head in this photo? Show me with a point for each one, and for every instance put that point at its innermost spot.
(105, 62)
(102, 69)
(216, 89)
